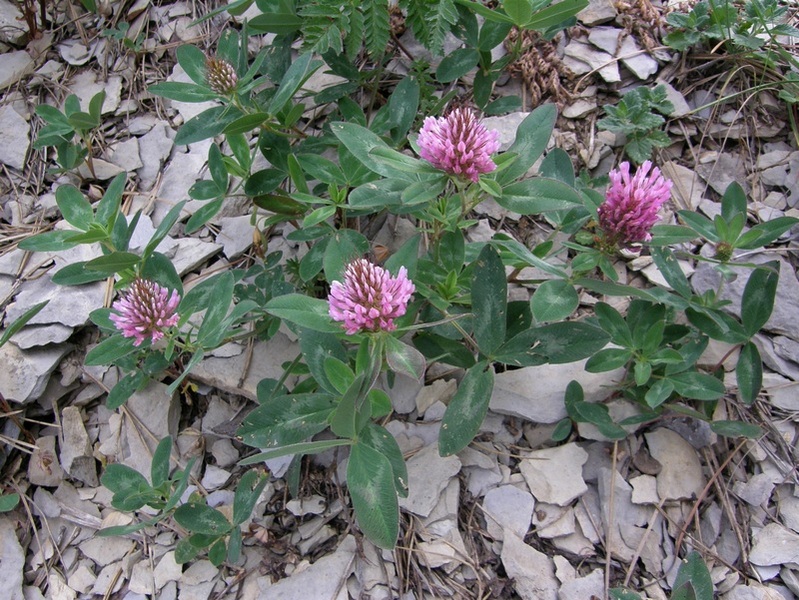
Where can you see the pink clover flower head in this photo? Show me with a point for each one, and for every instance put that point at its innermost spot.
(370, 298)
(145, 310)
(458, 144)
(631, 204)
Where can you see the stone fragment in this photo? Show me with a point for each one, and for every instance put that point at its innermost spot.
(82, 579)
(34, 336)
(14, 66)
(76, 450)
(537, 393)
(14, 137)
(644, 490)
(106, 550)
(720, 169)
(555, 475)
(582, 58)
(775, 545)
(597, 12)
(214, 477)
(235, 235)
(622, 520)
(507, 508)
(441, 390)
(12, 29)
(102, 170)
(428, 476)
(12, 560)
(155, 147)
(507, 126)
(756, 591)
(580, 588)
(626, 48)
(323, 580)
(85, 86)
(532, 572)
(681, 476)
(43, 466)
(25, 374)
(125, 155)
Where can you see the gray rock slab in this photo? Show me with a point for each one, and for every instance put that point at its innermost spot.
(508, 508)
(532, 572)
(681, 107)
(14, 137)
(775, 545)
(103, 170)
(507, 126)
(323, 580)
(756, 591)
(155, 146)
(625, 48)
(125, 155)
(579, 53)
(76, 450)
(597, 12)
(580, 588)
(14, 66)
(785, 395)
(555, 475)
(25, 373)
(687, 187)
(536, 393)
(106, 550)
(783, 318)
(720, 169)
(12, 28)
(235, 235)
(428, 476)
(32, 336)
(267, 358)
(85, 85)
(681, 476)
(180, 174)
(12, 560)
(625, 520)
(155, 415)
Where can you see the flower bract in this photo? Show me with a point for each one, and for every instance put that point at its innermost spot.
(458, 144)
(370, 298)
(145, 310)
(631, 204)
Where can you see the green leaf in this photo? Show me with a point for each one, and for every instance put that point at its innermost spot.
(316, 347)
(345, 246)
(192, 60)
(518, 10)
(74, 207)
(212, 328)
(736, 429)
(338, 373)
(556, 14)
(344, 420)
(697, 386)
(532, 137)
(608, 359)
(693, 580)
(115, 262)
(321, 168)
(703, 226)
(556, 343)
(466, 409)
(207, 124)
(667, 265)
(667, 235)
(124, 389)
(108, 207)
(160, 269)
(8, 502)
(758, 297)
(554, 300)
(200, 518)
(263, 182)
(248, 490)
(378, 438)
(360, 142)
(109, 351)
(49, 241)
(404, 105)
(247, 123)
(301, 448)
(749, 373)
(404, 359)
(370, 479)
(539, 195)
(159, 471)
(457, 64)
(77, 274)
(122, 480)
(21, 321)
(297, 74)
(489, 301)
(183, 92)
(658, 393)
(286, 420)
(765, 233)
(622, 594)
(611, 321)
(733, 202)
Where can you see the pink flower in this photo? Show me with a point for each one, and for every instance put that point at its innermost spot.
(369, 299)
(631, 204)
(458, 144)
(145, 310)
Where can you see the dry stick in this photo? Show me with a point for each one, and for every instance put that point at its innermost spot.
(611, 516)
(702, 494)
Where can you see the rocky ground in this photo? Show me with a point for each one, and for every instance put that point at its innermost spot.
(512, 515)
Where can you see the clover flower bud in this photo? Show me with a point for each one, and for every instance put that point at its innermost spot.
(221, 76)
(145, 310)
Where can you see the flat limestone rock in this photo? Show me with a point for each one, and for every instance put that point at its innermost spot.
(76, 450)
(428, 476)
(12, 561)
(323, 580)
(681, 476)
(775, 545)
(43, 467)
(508, 508)
(14, 137)
(25, 374)
(533, 572)
(536, 393)
(14, 66)
(555, 475)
